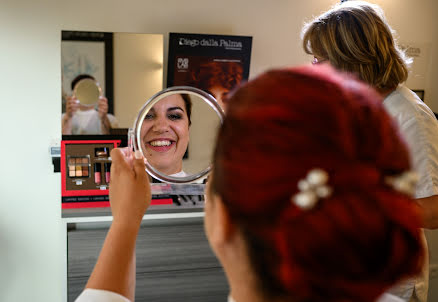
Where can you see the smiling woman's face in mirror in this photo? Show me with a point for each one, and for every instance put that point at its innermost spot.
(175, 130)
(165, 133)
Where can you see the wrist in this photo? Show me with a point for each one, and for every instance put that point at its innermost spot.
(126, 225)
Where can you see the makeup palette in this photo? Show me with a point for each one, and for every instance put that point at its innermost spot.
(78, 166)
(86, 173)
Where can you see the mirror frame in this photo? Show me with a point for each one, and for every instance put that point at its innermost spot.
(135, 138)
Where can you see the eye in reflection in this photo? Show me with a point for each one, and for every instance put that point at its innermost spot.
(165, 133)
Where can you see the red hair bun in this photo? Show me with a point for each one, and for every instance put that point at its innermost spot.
(352, 245)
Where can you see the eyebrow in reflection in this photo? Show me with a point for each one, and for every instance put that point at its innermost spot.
(175, 108)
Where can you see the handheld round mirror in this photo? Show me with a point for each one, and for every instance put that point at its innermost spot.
(176, 130)
(87, 91)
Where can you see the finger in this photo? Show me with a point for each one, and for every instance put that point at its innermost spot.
(139, 167)
(73, 101)
(103, 99)
(102, 108)
(119, 162)
(125, 151)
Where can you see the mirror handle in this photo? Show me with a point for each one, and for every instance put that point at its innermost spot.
(131, 141)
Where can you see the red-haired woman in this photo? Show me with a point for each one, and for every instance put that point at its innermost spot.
(309, 199)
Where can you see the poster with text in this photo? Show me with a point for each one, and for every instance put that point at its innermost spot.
(213, 63)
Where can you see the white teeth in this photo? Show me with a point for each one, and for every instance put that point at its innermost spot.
(160, 143)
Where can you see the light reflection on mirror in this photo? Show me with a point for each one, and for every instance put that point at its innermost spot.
(176, 132)
(128, 67)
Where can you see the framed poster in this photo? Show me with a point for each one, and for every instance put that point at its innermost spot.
(90, 53)
(213, 63)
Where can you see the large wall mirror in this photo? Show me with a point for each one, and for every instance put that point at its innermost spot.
(106, 78)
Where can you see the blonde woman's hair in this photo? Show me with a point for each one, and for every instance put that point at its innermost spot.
(355, 37)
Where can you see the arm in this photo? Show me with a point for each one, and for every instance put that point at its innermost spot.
(429, 211)
(106, 125)
(420, 130)
(66, 125)
(129, 196)
(102, 109)
(71, 107)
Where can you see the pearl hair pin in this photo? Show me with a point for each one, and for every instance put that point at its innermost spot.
(404, 183)
(312, 188)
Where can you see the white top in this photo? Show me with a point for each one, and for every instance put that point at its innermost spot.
(97, 295)
(180, 174)
(419, 127)
(389, 298)
(88, 122)
(184, 174)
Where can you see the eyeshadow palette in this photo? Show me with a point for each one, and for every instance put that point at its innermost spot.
(86, 173)
(78, 166)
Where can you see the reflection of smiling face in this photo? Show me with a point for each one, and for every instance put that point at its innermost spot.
(165, 134)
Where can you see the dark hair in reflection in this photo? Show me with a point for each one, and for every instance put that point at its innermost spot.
(80, 77)
(188, 105)
(217, 74)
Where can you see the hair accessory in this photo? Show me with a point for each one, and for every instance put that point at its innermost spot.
(312, 188)
(404, 183)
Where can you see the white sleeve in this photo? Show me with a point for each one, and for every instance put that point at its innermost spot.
(421, 133)
(388, 298)
(113, 121)
(99, 295)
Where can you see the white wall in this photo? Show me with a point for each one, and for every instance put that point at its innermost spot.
(32, 243)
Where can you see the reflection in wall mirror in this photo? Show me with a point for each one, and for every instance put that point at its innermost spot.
(128, 68)
(87, 92)
(171, 121)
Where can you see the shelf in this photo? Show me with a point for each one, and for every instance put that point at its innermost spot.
(154, 212)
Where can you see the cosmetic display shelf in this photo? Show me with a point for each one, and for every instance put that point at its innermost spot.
(154, 212)
(145, 217)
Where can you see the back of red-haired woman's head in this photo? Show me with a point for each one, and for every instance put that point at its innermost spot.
(350, 246)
